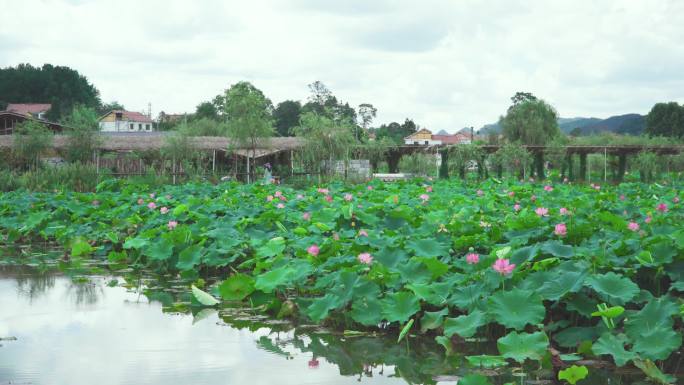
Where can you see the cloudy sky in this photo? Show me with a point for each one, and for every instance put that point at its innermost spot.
(445, 64)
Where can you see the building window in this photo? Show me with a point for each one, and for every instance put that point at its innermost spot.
(147, 127)
(415, 142)
(130, 126)
(426, 142)
(139, 126)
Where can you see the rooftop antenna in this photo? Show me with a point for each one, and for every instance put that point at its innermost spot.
(149, 110)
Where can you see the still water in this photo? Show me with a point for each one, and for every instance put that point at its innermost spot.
(93, 332)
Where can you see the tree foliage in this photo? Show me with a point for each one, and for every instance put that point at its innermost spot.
(82, 131)
(396, 132)
(248, 114)
(60, 86)
(530, 121)
(286, 116)
(666, 119)
(326, 141)
(30, 139)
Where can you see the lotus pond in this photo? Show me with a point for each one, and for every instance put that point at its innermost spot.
(483, 282)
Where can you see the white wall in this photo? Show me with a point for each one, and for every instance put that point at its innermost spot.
(124, 126)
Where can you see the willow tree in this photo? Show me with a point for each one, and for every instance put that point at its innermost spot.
(325, 141)
(30, 139)
(531, 121)
(82, 131)
(249, 117)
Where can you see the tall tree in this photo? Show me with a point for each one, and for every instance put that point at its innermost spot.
(206, 110)
(60, 86)
(286, 116)
(532, 121)
(323, 102)
(249, 115)
(396, 132)
(82, 130)
(666, 119)
(367, 113)
(111, 106)
(521, 97)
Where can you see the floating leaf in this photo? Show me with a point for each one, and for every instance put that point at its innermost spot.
(203, 297)
(427, 247)
(400, 306)
(474, 379)
(485, 361)
(237, 287)
(614, 346)
(522, 346)
(573, 374)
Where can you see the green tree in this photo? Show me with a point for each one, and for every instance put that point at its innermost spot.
(323, 102)
(396, 132)
(60, 86)
(326, 141)
(111, 106)
(249, 116)
(521, 97)
(666, 119)
(82, 130)
(206, 110)
(30, 139)
(202, 127)
(531, 122)
(286, 116)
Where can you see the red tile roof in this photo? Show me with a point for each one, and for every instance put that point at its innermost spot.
(132, 116)
(452, 139)
(28, 108)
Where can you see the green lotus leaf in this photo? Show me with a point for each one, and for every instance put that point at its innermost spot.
(523, 346)
(557, 249)
(390, 256)
(516, 308)
(657, 344)
(572, 336)
(613, 288)
(485, 361)
(159, 251)
(653, 372)
(474, 379)
(203, 297)
(80, 247)
(237, 287)
(135, 243)
(189, 257)
(524, 254)
(573, 374)
(432, 319)
(427, 248)
(320, 307)
(366, 311)
(613, 346)
(400, 306)
(273, 247)
(465, 325)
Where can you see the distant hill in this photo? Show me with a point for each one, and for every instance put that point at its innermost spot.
(628, 124)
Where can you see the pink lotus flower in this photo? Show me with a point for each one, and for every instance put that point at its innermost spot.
(164, 210)
(563, 211)
(306, 216)
(348, 197)
(424, 197)
(533, 198)
(561, 230)
(328, 198)
(633, 226)
(278, 193)
(152, 195)
(283, 198)
(662, 207)
(472, 258)
(503, 266)
(648, 219)
(363, 233)
(313, 363)
(313, 250)
(597, 187)
(548, 188)
(516, 207)
(675, 200)
(480, 193)
(542, 211)
(511, 194)
(428, 188)
(151, 205)
(141, 201)
(622, 197)
(365, 258)
(369, 188)
(323, 190)
(172, 225)
(280, 206)
(269, 198)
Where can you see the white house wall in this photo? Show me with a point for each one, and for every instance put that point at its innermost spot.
(124, 126)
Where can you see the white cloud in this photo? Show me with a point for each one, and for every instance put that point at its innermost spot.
(447, 64)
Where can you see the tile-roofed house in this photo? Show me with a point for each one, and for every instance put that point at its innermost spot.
(129, 121)
(426, 137)
(37, 110)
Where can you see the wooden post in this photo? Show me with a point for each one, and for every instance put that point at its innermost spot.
(173, 169)
(291, 163)
(213, 163)
(583, 166)
(605, 164)
(248, 175)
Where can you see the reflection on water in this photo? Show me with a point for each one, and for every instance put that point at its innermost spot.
(73, 332)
